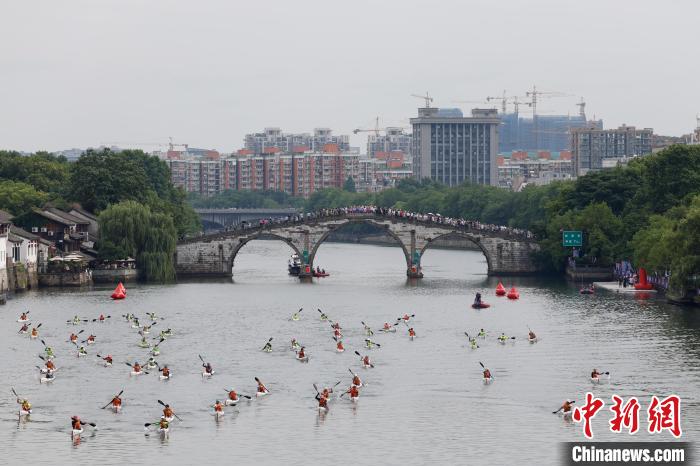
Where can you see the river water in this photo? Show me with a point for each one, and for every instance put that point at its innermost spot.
(424, 402)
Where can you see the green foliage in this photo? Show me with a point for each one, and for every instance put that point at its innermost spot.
(19, 198)
(43, 171)
(132, 229)
(246, 200)
(349, 185)
(671, 177)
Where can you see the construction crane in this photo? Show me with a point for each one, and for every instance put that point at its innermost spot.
(425, 97)
(504, 101)
(376, 129)
(171, 145)
(534, 94)
(582, 109)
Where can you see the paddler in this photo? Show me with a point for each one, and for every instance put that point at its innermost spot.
(267, 347)
(75, 423)
(482, 333)
(323, 316)
(35, 332)
(24, 329)
(165, 371)
(108, 359)
(49, 352)
(25, 405)
(295, 344)
(168, 412)
(50, 366)
(76, 320)
(233, 396)
(368, 330)
(531, 335)
(356, 382)
(353, 391)
(327, 392)
(595, 374)
(369, 343)
(218, 407)
(472, 343)
(301, 354)
(386, 326)
(411, 333)
(339, 346)
(208, 369)
(82, 351)
(566, 407)
(101, 318)
(144, 343)
(297, 315)
(487, 374)
(366, 361)
(163, 423)
(116, 402)
(23, 316)
(406, 317)
(262, 388)
(336, 325)
(322, 401)
(503, 338)
(73, 338)
(136, 367)
(337, 334)
(477, 299)
(163, 334)
(91, 339)
(151, 363)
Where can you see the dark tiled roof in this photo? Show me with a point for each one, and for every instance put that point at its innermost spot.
(15, 230)
(5, 217)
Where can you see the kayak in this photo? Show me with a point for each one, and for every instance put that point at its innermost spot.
(295, 318)
(339, 350)
(80, 355)
(164, 377)
(480, 306)
(358, 386)
(595, 379)
(259, 394)
(44, 370)
(170, 418)
(411, 337)
(207, 374)
(145, 332)
(487, 380)
(23, 332)
(230, 402)
(503, 342)
(90, 342)
(155, 352)
(164, 432)
(151, 366)
(107, 364)
(144, 345)
(117, 408)
(268, 350)
(76, 432)
(532, 340)
(22, 412)
(389, 330)
(322, 409)
(22, 321)
(33, 337)
(136, 373)
(46, 379)
(567, 414)
(218, 414)
(304, 359)
(366, 366)
(354, 398)
(49, 356)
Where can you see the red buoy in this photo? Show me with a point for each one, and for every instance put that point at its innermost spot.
(119, 292)
(500, 289)
(513, 294)
(642, 284)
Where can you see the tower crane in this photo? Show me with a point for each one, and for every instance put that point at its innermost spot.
(504, 101)
(582, 108)
(376, 129)
(425, 97)
(534, 94)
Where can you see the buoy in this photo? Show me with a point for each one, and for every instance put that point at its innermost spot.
(642, 284)
(513, 294)
(500, 289)
(119, 292)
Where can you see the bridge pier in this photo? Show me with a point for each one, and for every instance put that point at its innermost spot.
(414, 269)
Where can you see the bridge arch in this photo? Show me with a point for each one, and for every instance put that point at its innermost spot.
(474, 240)
(241, 242)
(384, 227)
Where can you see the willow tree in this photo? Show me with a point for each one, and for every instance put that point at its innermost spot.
(132, 229)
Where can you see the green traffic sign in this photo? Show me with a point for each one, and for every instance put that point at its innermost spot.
(572, 238)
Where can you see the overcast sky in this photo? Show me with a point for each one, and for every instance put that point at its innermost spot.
(206, 72)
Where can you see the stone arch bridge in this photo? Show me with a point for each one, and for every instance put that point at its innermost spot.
(214, 255)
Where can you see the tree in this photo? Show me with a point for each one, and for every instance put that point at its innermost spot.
(349, 185)
(132, 229)
(19, 198)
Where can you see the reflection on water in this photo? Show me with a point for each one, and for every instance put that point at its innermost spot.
(424, 402)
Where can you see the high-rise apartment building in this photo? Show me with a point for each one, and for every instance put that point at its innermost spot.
(393, 140)
(453, 149)
(273, 140)
(591, 146)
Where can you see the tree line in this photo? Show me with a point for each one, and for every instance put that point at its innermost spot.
(141, 214)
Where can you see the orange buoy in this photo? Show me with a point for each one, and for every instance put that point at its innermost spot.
(642, 284)
(119, 292)
(500, 289)
(513, 294)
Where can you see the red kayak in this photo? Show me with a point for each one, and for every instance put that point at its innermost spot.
(324, 274)
(481, 306)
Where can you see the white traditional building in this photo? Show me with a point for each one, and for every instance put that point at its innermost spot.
(5, 223)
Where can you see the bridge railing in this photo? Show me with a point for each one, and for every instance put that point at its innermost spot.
(314, 218)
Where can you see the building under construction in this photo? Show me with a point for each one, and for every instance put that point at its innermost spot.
(543, 132)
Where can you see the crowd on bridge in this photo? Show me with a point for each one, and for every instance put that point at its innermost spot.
(390, 213)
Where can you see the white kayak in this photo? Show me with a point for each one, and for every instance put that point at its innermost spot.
(44, 370)
(366, 366)
(340, 350)
(144, 345)
(135, 326)
(134, 373)
(33, 337)
(487, 380)
(80, 355)
(76, 432)
(146, 332)
(595, 379)
(155, 352)
(116, 408)
(22, 412)
(322, 409)
(354, 398)
(151, 366)
(230, 402)
(268, 350)
(107, 364)
(304, 359)
(164, 432)
(21, 321)
(358, 386)
(389, 330)
(170, 418)
(165, 377)
(502, 341)
(46, 379)
(218, 414)
(50, 357)
(567, 414)
(411, 337)
(207, 374)
(23, 332)
(90, 342)
(259, 394)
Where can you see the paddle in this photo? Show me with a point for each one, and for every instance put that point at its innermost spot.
(118, 395)
(372, 342)
(316, 388)
(176, 416)
(42, 358)
(268, 342)
(570, 402)
(106, 317)
(484, 367)
(14, 392)
(91, 424)
(202, 359)
(260, 383)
